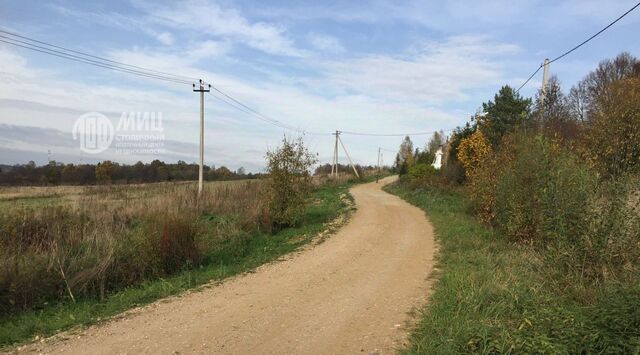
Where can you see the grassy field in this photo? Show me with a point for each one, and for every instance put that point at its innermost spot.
(494, 297)
(20, 196)
(234, 245)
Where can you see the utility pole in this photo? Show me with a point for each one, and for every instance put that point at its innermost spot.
(378, 175)
(347, 154)
(334, 167)
(545, 79)
(201, 89)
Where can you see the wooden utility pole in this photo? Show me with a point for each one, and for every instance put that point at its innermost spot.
(201, 89)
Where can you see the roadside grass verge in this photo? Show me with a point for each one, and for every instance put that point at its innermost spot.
(493, 296)
(241, 254)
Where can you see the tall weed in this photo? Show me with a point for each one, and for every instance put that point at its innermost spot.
(114, 237)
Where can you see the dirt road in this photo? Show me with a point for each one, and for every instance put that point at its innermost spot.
(349, 294)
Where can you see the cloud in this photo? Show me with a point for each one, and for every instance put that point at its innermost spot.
(211, 18)
(165, 38)
(20, 144)
(439, 15)
(14, 67)
(325, 43)
(397, 91)
(435, 73)
(58, 105)
(115, 20)
(178, 60)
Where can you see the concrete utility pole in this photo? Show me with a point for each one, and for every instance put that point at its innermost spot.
(334, 167)
(545, 79)
(201, 89)
(348, 157)
(378, 175)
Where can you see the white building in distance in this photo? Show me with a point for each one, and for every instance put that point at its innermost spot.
(437, 161)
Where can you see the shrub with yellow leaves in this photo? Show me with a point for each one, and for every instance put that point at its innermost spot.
(473, 151)
(476, 156)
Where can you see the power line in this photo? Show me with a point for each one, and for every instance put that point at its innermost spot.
(244, 110)
(579, 45)
(90, 59)
(94, 56)
(595, 35)
(282, 125)
(85, 58)
(106, 63)
(229, 100)
(253, 111)
(530, 77)
(395, 134)
(247, 109)
(87, 61)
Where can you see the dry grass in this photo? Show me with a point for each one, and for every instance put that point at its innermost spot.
(98, 239)
(66, 243)
(15, 193)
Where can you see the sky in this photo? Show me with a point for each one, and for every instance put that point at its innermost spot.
(373, 67)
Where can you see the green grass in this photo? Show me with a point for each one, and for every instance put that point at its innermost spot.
(249, 253)
(32, 201)
(492, 296)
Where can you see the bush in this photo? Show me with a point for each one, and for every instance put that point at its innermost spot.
(453, 172)
(290, 181)
(421, 172)
(473, 151)
(477, 157)
(610, 246)
(178, 244)
(543, 195)
(482, 188)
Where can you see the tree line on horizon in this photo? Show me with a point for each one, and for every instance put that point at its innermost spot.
(108, 172)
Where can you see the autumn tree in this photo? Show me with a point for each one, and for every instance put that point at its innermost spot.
(552, 115)
(405, 157)
(436, 141)
(290, 182)
(577, 101)
(456, 138)
(104, 172)
(613, 135)
(598, 83)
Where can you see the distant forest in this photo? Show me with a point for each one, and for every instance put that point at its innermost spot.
(108, 172)
(325, 169)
